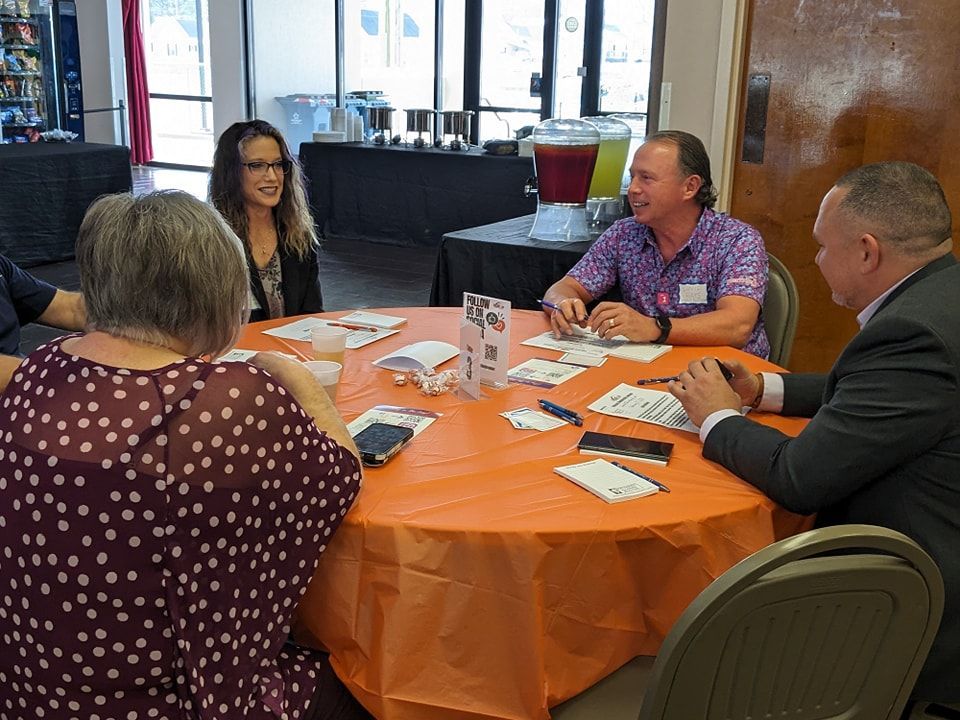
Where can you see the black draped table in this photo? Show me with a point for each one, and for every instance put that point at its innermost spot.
(410, 196)
(501, 261)
(47, 188)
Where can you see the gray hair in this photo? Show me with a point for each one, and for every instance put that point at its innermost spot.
(160, 267)
(692, 159)
(902, 204)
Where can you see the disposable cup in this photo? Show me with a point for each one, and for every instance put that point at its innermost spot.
(329, 343)
(328, 373)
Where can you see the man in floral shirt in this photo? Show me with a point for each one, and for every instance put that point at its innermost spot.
(688, 275)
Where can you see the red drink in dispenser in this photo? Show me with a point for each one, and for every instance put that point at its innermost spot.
(564, 172)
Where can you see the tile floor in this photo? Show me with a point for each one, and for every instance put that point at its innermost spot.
(353, 274)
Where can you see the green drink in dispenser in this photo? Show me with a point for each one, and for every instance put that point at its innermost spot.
(604, 206)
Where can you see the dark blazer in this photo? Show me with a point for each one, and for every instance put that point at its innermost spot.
(300, 285)
(883, 447)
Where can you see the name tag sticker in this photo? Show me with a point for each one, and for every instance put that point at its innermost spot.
(693, 294)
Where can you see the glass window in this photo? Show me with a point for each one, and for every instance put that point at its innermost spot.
(294, 66)
(176, 43)
(389, 46)
(451, 89)
(182, 131)
(511, 53)
(625, 60)
(570, 36)
(501, 125)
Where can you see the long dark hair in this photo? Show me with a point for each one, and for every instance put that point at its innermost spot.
(294, 221)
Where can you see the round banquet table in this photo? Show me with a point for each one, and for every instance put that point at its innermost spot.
(471, 581)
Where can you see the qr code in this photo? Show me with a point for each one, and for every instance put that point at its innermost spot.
(490, 353)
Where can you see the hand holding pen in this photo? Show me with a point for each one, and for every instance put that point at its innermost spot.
(571, 416)
(566, 314)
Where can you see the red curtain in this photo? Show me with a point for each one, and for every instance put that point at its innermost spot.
(138, 96)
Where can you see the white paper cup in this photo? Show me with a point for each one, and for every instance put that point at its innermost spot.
(328, 373)
(329, 343)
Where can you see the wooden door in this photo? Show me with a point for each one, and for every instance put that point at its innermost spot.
(850, 82)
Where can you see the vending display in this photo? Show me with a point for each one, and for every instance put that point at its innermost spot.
(39, 55)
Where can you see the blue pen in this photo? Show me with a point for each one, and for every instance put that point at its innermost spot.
(560, 414)
(641, 475)
(547, 303)
(560, 408)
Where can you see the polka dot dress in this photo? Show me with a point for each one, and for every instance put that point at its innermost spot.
(157, 529)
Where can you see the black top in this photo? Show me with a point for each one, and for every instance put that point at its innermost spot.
(300, 285)
(23, 298)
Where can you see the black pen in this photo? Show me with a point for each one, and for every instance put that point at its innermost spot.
(641, 475)
(727, 375)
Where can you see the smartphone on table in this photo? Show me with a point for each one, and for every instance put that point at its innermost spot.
(379, 442)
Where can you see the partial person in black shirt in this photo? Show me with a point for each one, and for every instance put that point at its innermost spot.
(25, 299)
(257, 185)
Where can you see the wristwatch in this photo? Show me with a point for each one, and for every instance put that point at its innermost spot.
(663, 322)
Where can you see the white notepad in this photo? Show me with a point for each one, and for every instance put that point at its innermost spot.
(418, 356)
(606, 481)
(362, 317)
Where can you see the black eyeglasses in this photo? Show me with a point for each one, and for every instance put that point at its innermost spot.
(259, 168)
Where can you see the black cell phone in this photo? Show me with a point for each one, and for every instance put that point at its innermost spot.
(379, 442)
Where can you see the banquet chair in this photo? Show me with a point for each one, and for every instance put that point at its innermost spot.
(831, 623)
(781, 309)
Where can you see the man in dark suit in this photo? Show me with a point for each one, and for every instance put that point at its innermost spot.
(883, 444)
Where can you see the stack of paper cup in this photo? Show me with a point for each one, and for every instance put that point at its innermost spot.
(338, 120)
(356, 127)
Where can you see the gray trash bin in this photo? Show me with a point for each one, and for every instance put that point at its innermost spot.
(305, 115)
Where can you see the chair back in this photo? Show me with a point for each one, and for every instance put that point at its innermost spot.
(781, 308)
(832, 623)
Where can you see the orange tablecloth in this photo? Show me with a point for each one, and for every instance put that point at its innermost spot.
(470, 581)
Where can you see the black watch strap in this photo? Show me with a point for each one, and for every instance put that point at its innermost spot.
(663, 322)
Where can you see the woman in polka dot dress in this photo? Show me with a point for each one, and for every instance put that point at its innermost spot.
(161, 515)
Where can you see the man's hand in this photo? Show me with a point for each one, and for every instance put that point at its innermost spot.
(570, 310)
(743, 382)
(702, 389)
(610, 319)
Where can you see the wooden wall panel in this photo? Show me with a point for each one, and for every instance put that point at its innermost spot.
(851, 82)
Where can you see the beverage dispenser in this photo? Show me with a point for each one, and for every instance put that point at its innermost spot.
(604, 206)
(564, 156)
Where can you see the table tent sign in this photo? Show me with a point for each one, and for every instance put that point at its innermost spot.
(471, 338)
(492, 316)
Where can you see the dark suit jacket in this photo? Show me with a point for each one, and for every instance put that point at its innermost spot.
(883, 447)
(300, 286)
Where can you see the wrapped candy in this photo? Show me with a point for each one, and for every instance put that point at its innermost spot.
(429, 381)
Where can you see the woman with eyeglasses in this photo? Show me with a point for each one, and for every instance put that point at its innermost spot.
(257, 186)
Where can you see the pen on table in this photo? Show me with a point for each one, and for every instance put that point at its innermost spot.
(727, 374)
(641, 475)
(547, 303)
(353, 327)
(553, 410)
(567, 411)
(657, 380)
